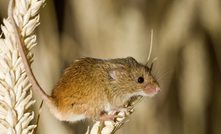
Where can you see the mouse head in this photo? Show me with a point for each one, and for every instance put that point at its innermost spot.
(133, 78)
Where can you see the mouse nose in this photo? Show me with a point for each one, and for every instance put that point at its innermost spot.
(157, 89)
(151, 88)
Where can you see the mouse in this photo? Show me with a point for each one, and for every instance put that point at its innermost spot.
(91, 88)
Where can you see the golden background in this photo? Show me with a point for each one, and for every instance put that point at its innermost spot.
(187, 42)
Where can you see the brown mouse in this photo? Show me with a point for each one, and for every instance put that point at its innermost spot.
(90, 88)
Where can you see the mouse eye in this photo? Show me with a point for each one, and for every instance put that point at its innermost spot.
(140, 80)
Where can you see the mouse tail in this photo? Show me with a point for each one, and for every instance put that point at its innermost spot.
(20, 41)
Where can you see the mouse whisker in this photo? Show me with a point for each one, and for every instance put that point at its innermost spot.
(163, 76)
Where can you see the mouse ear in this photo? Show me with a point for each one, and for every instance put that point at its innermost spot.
(117, 73)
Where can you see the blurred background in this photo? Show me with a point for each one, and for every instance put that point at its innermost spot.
(187, 42)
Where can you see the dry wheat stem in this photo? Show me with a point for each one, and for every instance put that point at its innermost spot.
(110, 127)
(15, 89)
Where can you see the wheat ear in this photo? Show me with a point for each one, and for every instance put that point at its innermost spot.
(110, 127)
(15, 89)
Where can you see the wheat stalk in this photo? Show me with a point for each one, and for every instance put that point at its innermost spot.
(15, 89)
(110, 127)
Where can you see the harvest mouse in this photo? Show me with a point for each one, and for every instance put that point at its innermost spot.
(90, 88)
